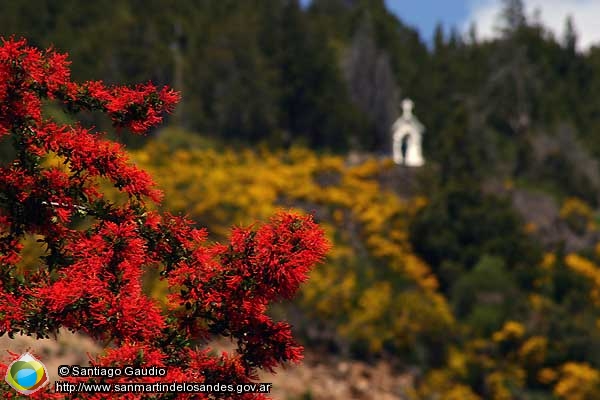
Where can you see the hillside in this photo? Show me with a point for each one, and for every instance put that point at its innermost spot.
(475, 276)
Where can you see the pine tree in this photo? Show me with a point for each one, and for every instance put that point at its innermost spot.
(570, 36)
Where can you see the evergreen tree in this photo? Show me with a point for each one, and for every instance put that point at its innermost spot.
(512, 16)
(570, 36)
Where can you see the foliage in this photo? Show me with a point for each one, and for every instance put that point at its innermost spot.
(371, 268)
(444, 280)
(589, 270)
(578, 381)
(461, 224)
(89, 279)
(499, 330)
(271, 70)
(578, 215)
(485, 295)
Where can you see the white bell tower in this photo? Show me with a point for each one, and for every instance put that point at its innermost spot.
(407, 134)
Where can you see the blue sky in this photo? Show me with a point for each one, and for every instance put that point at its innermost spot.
(425, 14)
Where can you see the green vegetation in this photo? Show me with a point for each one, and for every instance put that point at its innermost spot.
(485, 275)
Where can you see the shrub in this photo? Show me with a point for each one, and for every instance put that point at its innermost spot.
(89, 278)
(374, 292)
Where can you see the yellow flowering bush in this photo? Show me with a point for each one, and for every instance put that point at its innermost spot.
(374, 288)
(510, 331)
(505, 385)
(547, 376)
(533, 350)
(546, 270)
(440, 384)
(505, 362)
(587, 269)
(374, 292)
(548, 261)
(578, 381)
(578, 215)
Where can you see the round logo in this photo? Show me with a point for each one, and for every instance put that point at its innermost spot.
(27, 374)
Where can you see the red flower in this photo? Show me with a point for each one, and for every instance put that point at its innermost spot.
(90, 279)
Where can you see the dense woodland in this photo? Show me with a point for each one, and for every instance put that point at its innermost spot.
(481, 269)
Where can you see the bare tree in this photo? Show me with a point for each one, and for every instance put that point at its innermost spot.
(372, 84)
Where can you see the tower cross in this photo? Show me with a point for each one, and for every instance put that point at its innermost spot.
(407, 106)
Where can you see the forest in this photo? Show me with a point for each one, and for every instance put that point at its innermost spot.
(478, 273)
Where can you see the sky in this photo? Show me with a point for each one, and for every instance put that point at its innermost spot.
(425, 14)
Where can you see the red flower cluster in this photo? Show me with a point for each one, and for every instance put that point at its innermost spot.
(89, 280)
